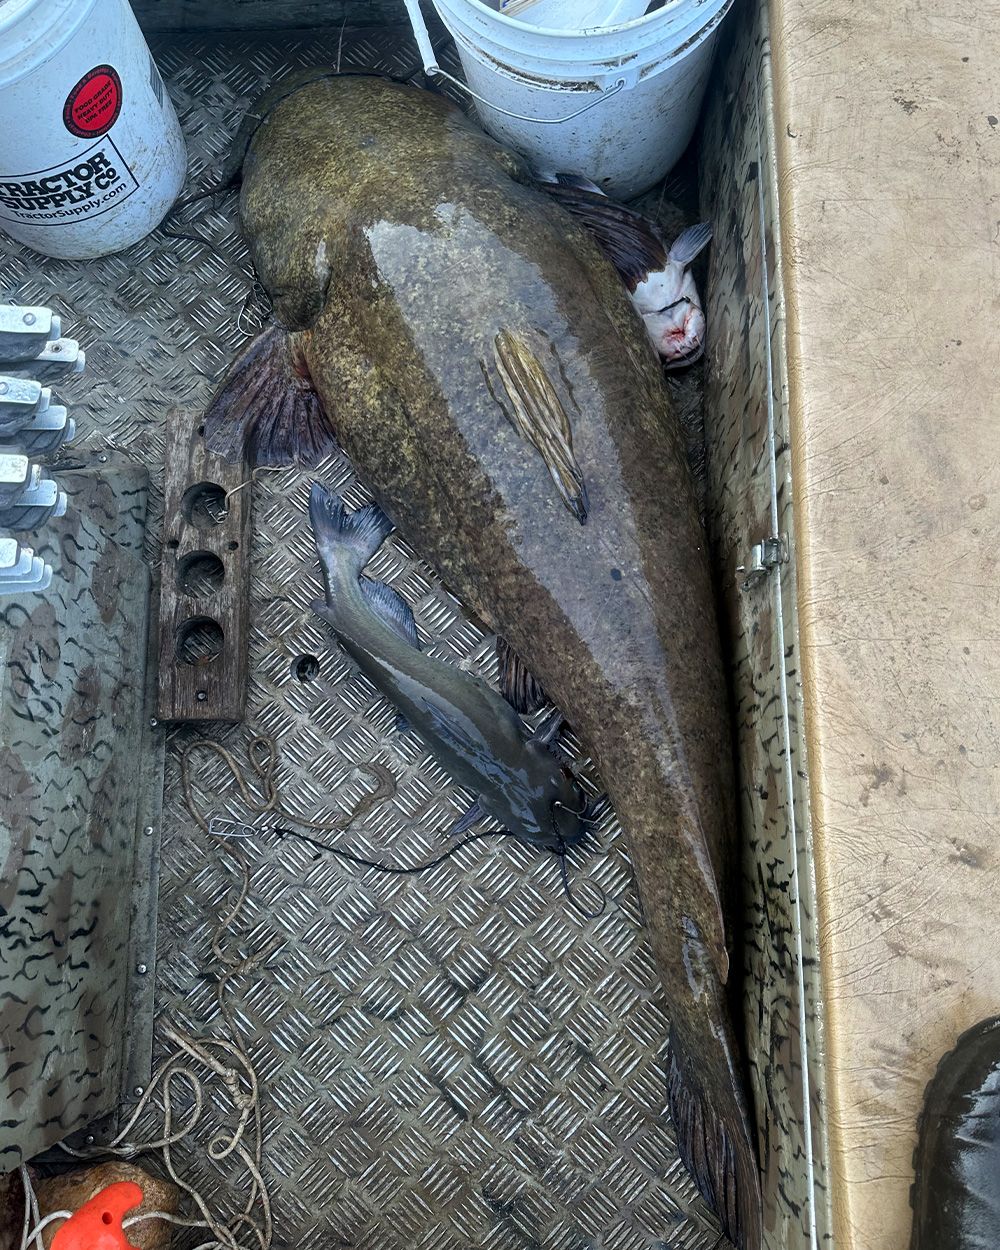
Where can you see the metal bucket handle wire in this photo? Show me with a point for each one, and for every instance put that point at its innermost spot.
(431, 68)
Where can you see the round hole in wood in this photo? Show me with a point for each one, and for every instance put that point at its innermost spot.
(173, 544)
(204, 505)
(305, 668)
(198, 640)
(200, 573)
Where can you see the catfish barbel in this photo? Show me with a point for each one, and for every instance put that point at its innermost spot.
(464, 341)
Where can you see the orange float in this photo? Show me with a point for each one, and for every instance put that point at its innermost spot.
(98, 1223)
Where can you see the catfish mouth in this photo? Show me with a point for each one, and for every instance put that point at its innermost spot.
(682, 343)
(570, 825)
(688, 357)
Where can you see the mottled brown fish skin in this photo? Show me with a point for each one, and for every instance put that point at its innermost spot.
(397, 243)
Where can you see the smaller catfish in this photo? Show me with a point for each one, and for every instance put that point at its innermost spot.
(659, 280)
(472, 730)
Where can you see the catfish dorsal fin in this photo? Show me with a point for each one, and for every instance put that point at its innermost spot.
(392, 608)
(448, 727)
(538, 416)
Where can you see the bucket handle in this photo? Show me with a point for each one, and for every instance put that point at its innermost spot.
(431, 68)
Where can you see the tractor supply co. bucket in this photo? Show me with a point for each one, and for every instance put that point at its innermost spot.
(91, 154)
(616, 104)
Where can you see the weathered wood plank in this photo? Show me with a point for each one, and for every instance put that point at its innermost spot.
(205, 587)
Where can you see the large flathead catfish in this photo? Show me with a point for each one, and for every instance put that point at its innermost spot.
(481, 364)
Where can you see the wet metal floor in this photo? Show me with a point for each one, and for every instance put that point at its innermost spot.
(452, 1060)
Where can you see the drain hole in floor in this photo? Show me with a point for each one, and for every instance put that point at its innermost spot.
(305, 668)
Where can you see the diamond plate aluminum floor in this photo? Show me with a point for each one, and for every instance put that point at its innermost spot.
(453, 1060)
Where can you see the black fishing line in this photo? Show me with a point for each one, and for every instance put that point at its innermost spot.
(391, 868)
(414, 870)
(264, 767)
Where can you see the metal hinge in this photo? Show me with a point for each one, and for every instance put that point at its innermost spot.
(765, 555)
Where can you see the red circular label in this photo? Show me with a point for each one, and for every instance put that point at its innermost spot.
(92, 107)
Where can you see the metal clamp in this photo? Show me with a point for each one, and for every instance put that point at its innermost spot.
(764, 556)
(25, 330)
(218, 827)
(431, 67)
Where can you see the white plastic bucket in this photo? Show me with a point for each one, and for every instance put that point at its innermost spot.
(91, 154)
(616, 104)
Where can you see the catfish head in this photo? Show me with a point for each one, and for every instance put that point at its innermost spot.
(669, 303)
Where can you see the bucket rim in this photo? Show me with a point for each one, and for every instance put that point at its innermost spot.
(26, 27)
(479, 7)
(13, 11)
(637, 66)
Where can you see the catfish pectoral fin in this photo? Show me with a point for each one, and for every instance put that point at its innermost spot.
(267, 409)
(538, 415)
(626, 238)
(472, 815)
(713, 1139)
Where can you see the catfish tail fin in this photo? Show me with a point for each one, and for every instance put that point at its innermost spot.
(345, 542)
(714, 1143)
(267, 409)
(358, 535)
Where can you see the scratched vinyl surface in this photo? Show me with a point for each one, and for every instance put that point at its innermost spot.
(452, 1060)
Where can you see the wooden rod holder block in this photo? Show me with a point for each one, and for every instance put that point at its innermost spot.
(205, 587)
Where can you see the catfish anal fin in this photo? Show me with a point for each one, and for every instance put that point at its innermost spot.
(267, 409)
(538, 416)
(517, 683)
(626, 238)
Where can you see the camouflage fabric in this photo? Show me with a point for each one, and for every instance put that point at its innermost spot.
(72, 663)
